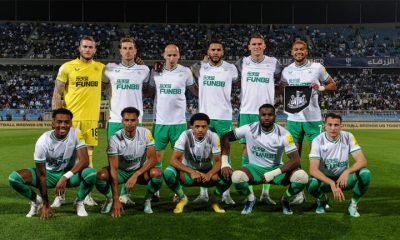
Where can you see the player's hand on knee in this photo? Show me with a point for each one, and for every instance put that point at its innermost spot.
(342, 180)
(226, 172)
(195, 176)
(61, 185)
(205, 177)
(47, 211)
(158, 66)
(130, 183)
(337, 193)
(117, 209)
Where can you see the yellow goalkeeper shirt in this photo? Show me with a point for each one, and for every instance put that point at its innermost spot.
(82, 93)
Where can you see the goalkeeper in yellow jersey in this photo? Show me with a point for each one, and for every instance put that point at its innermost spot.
(79, 82)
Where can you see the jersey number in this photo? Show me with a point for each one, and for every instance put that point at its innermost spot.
(94, 132)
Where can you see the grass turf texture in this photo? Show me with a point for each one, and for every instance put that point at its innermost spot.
(379, 209)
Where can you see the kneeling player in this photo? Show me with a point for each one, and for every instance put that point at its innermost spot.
(329, 166)
(191, 163)
(266, 142)
(55, 155)
(127, 152)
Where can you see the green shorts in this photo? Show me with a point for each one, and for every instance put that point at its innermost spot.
(163, 134)
(220, 127)
(113, 127)
(123, 177)
(298, 129)
(257, 172)
(53, 177)
(246, 119)
(189, 181)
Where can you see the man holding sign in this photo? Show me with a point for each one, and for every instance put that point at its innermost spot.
(303, 80)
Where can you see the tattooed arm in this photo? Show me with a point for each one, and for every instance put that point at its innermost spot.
(56, 102)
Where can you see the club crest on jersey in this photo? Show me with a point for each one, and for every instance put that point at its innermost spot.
(324, 149)
(117, 70)
(77, 69)
(96, 69)
(296, 98)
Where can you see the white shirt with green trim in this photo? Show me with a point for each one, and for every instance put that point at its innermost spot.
(215, 87)
(304, 75)
(257, 83)
(265, 149)
(333, 155)
(197, 154)
(126, 88)
(170, 94)
(58, 154)
(131, 152)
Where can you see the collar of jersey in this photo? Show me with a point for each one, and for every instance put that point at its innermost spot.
(170, 70)
(268, 131)
(254, 61)
(218, 65)
(57, 139)
(329, 140)
(84, 62)
(125, 136)
(305, 64)
(197, 140)
(128, 66)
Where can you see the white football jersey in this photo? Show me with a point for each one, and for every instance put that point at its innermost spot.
(265, 149)
(131, 152)
(304, 75)
(257, 83)
(333, 155)
(215, 87)
(170, 94)
(126, 88)
(197, 154)
(58, 154)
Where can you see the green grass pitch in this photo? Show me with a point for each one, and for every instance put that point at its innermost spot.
(380, 208)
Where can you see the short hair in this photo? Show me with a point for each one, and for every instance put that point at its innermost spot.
(62, 111)
(333, 116)
(215, 41)
(87, 38)
(126, 39)
(266, 105)
(199, 117)
(300, 42)
(130, 110)
(256, 35)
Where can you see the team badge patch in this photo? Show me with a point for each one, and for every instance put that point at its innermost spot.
(289, 138)
(150, 137)
(296, 98)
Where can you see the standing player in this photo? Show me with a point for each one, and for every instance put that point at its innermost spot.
(56, 167)
(308, 122)
(266, 142)
(170, 84)
(215, 77)
(127, 152)
(258, 79)
(128, 81)
(329, 166)
(191, 163)
(80, 80)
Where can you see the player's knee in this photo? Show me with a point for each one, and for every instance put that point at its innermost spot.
(312, 186)
(239, 177)
(169, 174)
(102, 175)
(15, 179)
(365, 175)
(89, 175)
(155, 173)
(299, 176)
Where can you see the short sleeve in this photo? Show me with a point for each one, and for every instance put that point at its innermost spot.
(189, 78)
(353, 144)
(315, 150)
(216, 144)
(149, 139)
(323, 74)
(241, 131)
(113, 147)
(289, 144)
(235, 75)
(152, 81)
(62, 74)
(80, 141)
(180, 143)
(40, 151)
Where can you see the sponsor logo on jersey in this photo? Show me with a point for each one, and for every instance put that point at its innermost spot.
(262, 152)
(167, 89)
(332, 163)
(124, 84)
(210, 81)
(255, 77)
(83, 81)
